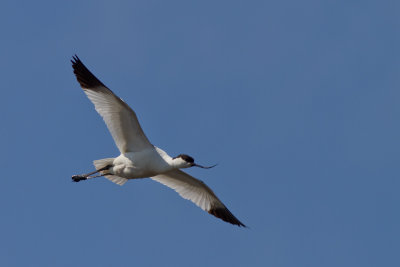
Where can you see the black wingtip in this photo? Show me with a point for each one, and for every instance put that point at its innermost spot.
(75, 59)
(224, 214)
(85, 78)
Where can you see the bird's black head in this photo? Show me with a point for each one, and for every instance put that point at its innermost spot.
(186, 158)
(189, 162)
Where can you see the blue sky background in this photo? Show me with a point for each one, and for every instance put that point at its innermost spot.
(298, 102)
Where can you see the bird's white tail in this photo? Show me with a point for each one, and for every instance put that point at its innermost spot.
(101, 163)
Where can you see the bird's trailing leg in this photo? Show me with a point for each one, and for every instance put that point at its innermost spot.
(78, 178)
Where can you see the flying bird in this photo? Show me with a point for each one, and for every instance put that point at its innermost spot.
(139, 158)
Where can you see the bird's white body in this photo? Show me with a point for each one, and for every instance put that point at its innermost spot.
(146, 163)
(139, 158)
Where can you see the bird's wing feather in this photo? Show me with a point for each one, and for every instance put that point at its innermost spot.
(120, 119)
(198, 192)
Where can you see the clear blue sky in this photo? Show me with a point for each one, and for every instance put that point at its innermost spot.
(298, 102)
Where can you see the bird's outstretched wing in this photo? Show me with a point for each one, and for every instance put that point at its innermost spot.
(198, 192)
(120, 119)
